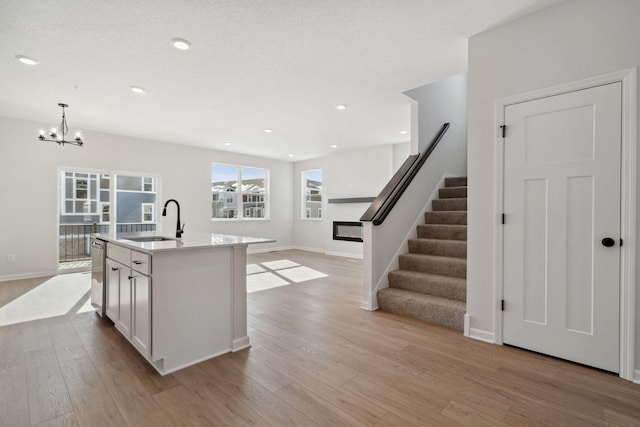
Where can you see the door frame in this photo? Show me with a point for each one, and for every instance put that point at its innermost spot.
(628, 78)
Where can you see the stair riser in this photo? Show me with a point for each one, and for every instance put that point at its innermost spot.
(452, 193)
(450, 317)
(440, 287)
(457, 249)
(458, 181)
(442, 232)
(446, 217)
(453, 267)
(449, 204)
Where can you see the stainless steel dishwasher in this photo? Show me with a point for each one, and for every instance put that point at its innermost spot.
(98, 288)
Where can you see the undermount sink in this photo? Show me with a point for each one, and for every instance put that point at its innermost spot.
(150, 238)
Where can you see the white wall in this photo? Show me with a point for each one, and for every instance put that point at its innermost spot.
(349, 173)
(570, 41)
(29, 189)
(437, 103)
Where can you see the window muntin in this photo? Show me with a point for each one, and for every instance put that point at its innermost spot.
(148, 211)
(79, 193)
(312, 194)
(239, 192)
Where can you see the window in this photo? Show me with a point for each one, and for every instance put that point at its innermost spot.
(312, 194)
(147, 212)
(79, 193)
(104, 213)
(239, 192)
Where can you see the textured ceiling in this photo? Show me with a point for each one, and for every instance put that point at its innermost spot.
(278, 64)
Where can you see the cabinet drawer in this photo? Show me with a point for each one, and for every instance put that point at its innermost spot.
(120, 254)
(141, 262)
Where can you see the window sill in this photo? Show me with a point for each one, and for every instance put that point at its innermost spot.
(311, 219)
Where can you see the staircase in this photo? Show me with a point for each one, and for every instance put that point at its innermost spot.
(431, 283)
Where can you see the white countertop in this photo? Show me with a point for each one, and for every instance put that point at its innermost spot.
(188, 241)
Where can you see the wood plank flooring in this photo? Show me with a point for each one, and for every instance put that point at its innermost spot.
(316, 359)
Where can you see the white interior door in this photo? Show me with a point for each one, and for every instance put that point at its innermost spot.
(561, 199)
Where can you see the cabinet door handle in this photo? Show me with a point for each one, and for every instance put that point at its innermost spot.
(114, 269)
(131, 277)
(137, 262)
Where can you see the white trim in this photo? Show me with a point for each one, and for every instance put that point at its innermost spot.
(628, 78)
(481, 335)
(344, 254)
(240, 344)
(636, 376)
(35, 275)
(467, 325)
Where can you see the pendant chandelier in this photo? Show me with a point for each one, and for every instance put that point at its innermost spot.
(58, 135)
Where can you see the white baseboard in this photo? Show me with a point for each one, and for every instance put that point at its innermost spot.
(467, 324)
(480, 335)
(28, 275)
(308, 249)
(369, 307)
(636, 376)
(344, 254)
(240, 344)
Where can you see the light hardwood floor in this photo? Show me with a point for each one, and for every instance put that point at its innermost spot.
(316, 359)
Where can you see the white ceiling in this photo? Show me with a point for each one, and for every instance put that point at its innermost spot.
(254, 64)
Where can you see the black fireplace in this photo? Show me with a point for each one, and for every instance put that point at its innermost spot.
(347, 230)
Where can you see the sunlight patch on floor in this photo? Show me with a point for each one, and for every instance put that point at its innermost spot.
(301, 274)
(60, 295)
(282, 272)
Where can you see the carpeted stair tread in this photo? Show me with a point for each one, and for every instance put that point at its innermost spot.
(429, 284)
(442, 231)
(449, 248)
(446, 266)
(449, 204)
(452, 193)
(446, 312)
(446, 217)
(457, 181)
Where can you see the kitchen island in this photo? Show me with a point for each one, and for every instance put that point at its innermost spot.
(178, 301)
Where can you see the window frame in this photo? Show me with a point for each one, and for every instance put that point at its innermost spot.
(305, 212)
(239, 195)
(143, 213)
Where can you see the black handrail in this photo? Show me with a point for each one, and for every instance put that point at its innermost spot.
(390, 194)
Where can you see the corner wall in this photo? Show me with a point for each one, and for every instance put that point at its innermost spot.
(570, 41)
(29, 190)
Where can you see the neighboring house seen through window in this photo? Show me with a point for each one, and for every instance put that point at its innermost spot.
(239, 192)
(312, 194)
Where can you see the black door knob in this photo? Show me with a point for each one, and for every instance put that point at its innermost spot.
(608, 242)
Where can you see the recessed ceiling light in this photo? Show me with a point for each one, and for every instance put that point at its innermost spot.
(181, 44)
(268, 130)
(334, 146)
(137, 89)
(404, 132)
(341, 107)
(227, 144)
(290, 155)
(27, 60)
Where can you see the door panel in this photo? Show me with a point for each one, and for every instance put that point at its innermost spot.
(562, 197)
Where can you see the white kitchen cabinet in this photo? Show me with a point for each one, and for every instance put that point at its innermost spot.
(114, 270)
(123, 324)
(129, 295)
(141, 332)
